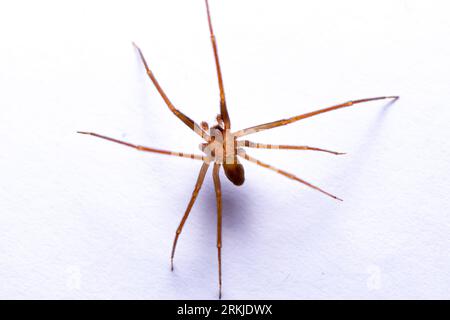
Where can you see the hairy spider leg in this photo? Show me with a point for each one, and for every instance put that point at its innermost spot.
(244, 155)
(223, 103)
(198, 185)
(283, 122)
(147, 149)
(218, 191)
(257, 145)
(188, 121)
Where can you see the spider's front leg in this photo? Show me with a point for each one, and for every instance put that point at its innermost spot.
(223, 103)
(188, 121)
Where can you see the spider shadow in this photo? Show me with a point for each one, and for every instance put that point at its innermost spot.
(235, 203)
(326, 224)
(365, 150)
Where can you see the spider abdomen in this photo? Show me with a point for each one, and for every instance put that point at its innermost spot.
(235, 173)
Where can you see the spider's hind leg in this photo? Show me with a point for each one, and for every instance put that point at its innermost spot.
(219, 222)
(244, 155)
(198, 185)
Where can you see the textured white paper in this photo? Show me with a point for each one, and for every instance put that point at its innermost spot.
(83, 218)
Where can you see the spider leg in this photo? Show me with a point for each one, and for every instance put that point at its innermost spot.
(249, 144)
(198, 185)
(188, 121)
(219, 221)
(223, 104)
(147, 149)
(244, 155)
(283, 122)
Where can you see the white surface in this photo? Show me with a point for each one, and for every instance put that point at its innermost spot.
(85, 218)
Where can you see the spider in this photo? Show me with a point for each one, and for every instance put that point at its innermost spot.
(222, 148)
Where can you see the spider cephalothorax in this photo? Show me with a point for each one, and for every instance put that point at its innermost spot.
(222, 148)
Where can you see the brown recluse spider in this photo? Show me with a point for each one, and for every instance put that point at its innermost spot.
(222, 148)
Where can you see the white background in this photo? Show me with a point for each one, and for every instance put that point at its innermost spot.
(85, 218)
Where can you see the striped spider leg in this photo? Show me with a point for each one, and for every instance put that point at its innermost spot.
(222, 148)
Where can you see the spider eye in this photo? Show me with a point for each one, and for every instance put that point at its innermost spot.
(204, 125)
(219, 119)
